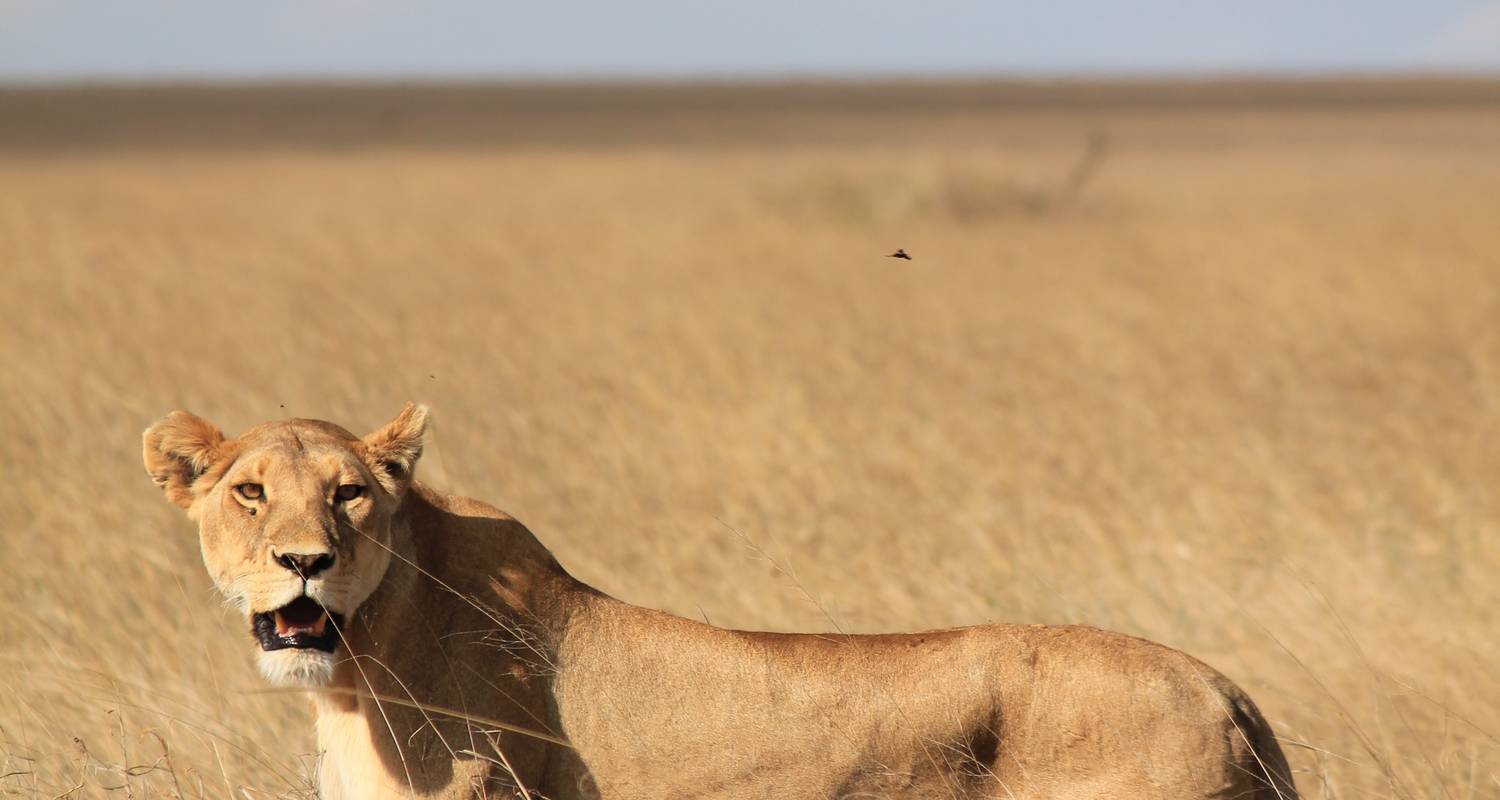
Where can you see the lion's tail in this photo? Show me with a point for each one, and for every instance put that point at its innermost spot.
(1261, 754)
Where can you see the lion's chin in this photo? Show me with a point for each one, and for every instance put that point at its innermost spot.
(297, 668)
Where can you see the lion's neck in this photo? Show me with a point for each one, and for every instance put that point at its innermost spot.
(468, 620)
(457, 559)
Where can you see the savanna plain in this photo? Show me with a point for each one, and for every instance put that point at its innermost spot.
(1213, 364)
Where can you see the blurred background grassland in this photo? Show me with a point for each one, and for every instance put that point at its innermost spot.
(1217, 364)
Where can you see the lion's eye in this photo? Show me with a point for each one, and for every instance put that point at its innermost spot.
(348, 492)
(250, 491)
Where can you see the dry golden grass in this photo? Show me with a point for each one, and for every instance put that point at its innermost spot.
(1241, 395)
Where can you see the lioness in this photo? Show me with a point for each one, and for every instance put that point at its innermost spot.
(450, 655)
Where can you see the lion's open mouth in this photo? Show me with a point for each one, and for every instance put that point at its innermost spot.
(302, 624)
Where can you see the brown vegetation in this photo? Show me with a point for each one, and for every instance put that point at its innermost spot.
(1238, 392)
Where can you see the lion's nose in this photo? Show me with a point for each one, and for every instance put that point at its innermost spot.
(305, 564)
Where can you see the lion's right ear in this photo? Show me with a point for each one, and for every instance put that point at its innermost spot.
(177, 450)
(392, 451)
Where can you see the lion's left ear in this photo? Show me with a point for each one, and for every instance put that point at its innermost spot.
(392, 451)
(179, 449)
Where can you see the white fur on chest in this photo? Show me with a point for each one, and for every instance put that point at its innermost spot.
(349, 768)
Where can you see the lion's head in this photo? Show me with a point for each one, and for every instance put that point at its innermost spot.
(295, 522)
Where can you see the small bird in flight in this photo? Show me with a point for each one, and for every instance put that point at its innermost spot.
(900, 253)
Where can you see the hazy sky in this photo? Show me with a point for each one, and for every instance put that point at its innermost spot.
(498, 38)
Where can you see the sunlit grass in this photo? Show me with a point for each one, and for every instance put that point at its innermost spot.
(1239, 394)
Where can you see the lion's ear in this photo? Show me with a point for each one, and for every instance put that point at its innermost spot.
(178, 450)
(392, 451)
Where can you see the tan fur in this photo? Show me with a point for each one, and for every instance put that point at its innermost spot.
(456, 607)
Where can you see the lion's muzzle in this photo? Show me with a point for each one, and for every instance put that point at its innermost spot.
(302, 624)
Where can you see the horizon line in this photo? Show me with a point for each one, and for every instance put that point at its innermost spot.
(190, 79)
